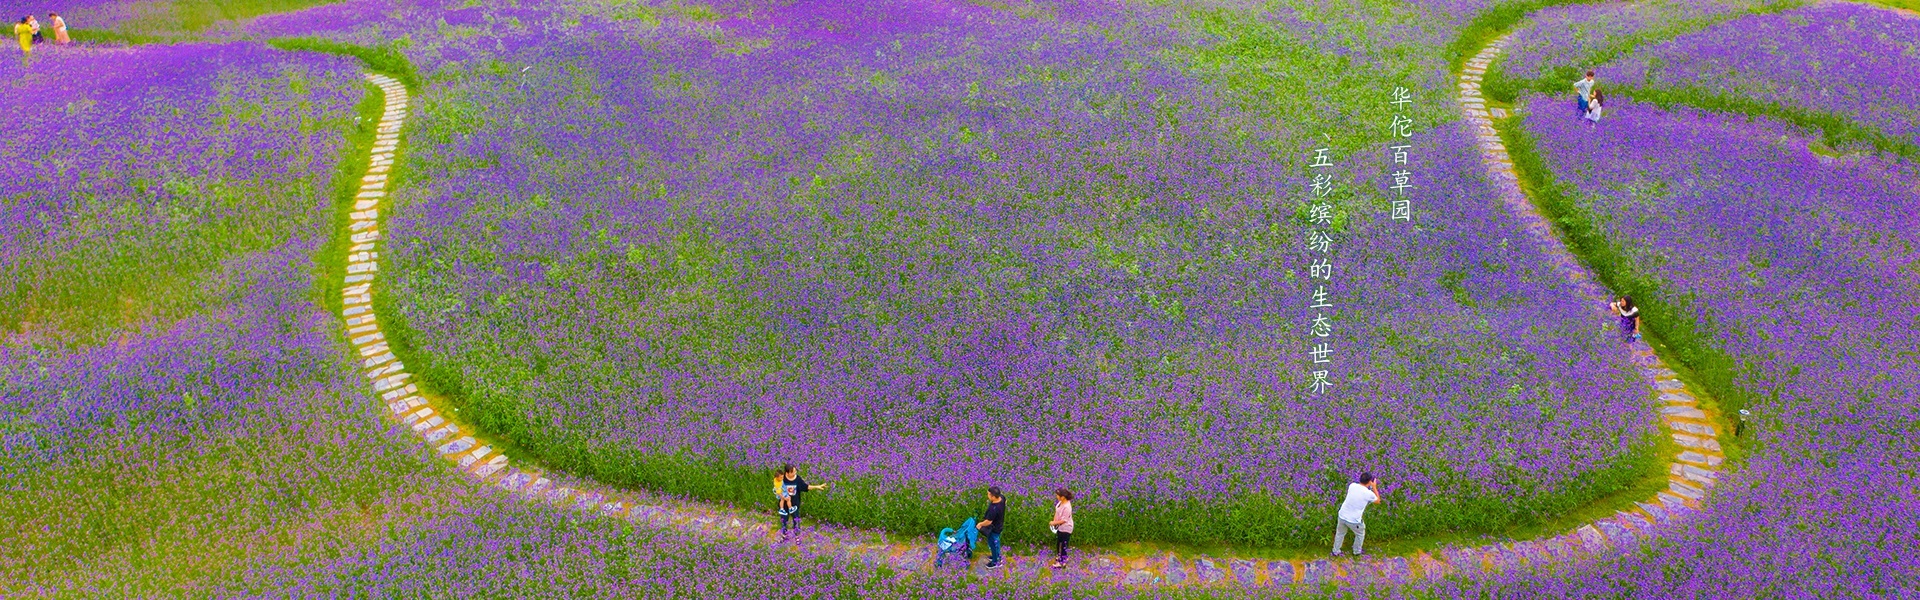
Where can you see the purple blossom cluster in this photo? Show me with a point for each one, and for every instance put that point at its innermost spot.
(1030, 256)
(1847, 59)
(94, 231)
(230, 450)
(1568, 39)
(1802, 266)
(488, 547)
(1854, 60)
(1035, 254)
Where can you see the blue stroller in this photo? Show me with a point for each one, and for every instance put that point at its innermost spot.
(956, 541)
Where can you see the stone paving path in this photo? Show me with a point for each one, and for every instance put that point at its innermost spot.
(1694, 470)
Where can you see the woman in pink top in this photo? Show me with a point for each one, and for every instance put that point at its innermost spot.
(59, 29)
(1062, 524)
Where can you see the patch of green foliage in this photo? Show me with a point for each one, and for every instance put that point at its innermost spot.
(183, 18)
(331, 261)
(1836, 131)
(386, 60)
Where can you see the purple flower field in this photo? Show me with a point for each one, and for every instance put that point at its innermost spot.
(95, 233)
(225, 448)
(1567, 39)
(1849, 59)
(927, 276)
(1803, 267)
(78, 13)
(920, 247)
(180, 20)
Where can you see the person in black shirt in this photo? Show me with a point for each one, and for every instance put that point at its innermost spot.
(990, 524)
(795, 487)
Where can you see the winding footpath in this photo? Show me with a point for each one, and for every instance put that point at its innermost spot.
(418, 414)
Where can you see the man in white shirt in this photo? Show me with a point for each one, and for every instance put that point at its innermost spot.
(1584, 87)
(1359, 495)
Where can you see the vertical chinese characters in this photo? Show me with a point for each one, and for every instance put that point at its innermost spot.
(1320, 271)
(1402, 127)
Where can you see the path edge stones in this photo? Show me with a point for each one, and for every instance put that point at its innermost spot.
(417, 414)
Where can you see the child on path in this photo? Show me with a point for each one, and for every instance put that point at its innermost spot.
(34, 24)
(1352, 510)
(1062, 524)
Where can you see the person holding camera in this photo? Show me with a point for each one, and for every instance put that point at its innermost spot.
(1359, 495)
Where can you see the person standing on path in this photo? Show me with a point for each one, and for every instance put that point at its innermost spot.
(990, 524)
(33, 23)
(59, 29)
(1359, 495)
(25, 32)
(1629, 317)
(1583, 89)
(1062, 524)
(795, 486)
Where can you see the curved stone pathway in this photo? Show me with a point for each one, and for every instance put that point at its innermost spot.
(1696, 467)
(419, 414)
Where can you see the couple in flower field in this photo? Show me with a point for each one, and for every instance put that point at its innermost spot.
(1590, 98)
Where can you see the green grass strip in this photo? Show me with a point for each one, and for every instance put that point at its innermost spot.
(332, 259)
(1501, 86)
(1836, 130)
(116, 38)
(386, 60)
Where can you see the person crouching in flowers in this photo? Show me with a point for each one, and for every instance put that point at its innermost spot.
(1595, 107)
(1629, 317)
(59, 29)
